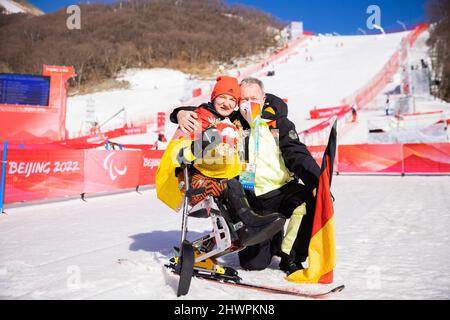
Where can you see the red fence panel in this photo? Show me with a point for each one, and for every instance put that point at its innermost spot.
(416, 33)
(52, 173)
(111, 170)
(38, 175)
(317, 153)
(427, 158)
(365, 158)
(150, 160)
(325, 112)
(197, 92)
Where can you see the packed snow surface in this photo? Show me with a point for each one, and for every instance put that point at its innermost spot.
(392, 243)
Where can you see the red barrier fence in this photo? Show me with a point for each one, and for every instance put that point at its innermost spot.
(317, 134)
(364, 96)
(325, 112)
(419, 113)
(52, 174)
(427, 158)
(36, 175)
(98, 139)
(55, 174)
(197, 92)
(416, 33)
(367, 158)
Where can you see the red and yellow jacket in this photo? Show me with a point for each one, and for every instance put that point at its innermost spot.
(221, 162)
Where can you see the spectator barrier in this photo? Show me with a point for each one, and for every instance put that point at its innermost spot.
(55, 174)
(327, 112)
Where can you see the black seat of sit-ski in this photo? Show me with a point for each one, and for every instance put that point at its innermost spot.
(200, 211)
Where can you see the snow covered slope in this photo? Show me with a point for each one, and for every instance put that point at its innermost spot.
(340, 65)
(320, 72)
(392, 232)
(150, 91)
(11, 6)
(374, 115)
(392, 243)
(20, 7)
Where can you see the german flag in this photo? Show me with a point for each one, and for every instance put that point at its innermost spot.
(322, 247)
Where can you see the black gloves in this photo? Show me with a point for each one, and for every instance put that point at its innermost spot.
(185, 156)
(209, 139)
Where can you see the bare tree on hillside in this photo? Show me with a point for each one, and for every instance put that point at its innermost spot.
(439, 14)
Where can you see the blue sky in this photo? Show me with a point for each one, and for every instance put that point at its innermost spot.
(319, 16)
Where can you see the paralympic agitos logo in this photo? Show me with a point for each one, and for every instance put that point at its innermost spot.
(109, 165)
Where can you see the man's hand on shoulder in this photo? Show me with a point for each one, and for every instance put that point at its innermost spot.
(280, 107)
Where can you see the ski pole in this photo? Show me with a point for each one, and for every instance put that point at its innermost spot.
(3, 178)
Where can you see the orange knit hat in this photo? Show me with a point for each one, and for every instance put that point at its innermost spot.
(226, 85)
